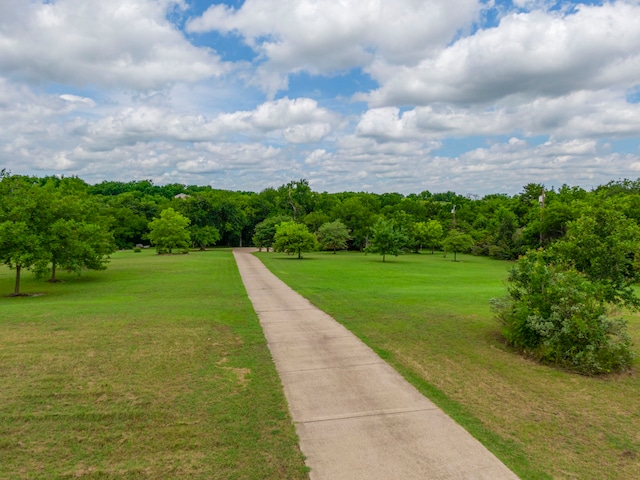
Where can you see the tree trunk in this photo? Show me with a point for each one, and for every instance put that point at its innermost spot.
(53, 273)
(299, 253)
(16, 291)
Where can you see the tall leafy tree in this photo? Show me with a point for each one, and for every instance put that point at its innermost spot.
(170, 231)
(265, 231)
(358, 212)
(433, 234)
(457, 241)
(333, 235)
(22, 206)
(292, 237)
(603, 244)
(75, 235)
(203, 237)
(386, 239)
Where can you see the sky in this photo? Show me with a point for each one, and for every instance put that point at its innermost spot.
(471, 96)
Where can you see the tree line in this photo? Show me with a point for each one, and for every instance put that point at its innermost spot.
(496, 225)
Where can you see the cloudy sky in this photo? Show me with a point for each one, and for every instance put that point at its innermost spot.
(474, 96)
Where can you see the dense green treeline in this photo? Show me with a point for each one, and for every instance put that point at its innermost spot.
(500, 225)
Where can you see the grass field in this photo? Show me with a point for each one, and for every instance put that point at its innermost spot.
(429, 317)
(156, 368)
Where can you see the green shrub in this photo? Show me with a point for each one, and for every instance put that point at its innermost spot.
(559, 316)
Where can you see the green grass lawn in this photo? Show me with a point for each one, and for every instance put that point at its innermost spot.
(155, 368)
(429, 317)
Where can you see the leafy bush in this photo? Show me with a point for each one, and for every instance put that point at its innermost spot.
(559, 316)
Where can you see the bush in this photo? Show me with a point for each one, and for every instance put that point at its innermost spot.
(558, 315)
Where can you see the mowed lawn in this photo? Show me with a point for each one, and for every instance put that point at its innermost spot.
(430, 318)
(155, 368)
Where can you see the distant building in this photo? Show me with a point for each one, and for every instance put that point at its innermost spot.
(182, 195)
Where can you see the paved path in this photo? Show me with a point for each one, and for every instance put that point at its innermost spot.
(356, 417)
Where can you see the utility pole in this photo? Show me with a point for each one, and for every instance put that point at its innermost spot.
(541, 202)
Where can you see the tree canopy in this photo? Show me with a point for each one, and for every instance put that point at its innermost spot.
(170, 231)
(293, 237)
(386, 239)
(333, 235)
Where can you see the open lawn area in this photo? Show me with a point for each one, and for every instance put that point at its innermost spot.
(429, 317)
(155, 368)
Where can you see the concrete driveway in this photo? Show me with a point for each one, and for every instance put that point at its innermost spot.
(356, 417)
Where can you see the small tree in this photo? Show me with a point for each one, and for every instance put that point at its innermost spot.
(202, 237)
(559, 316)
(19, 248)
(433, 234)
(386, 239)
(457, 241)
(292, 237)
(265, 231)
(333, 235)
(169, 232)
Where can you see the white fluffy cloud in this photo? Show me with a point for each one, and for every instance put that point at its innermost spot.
(529, 55)
(115, 43)
(334, 35)
(581, 114)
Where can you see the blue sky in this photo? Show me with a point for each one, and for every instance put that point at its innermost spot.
(472, 96)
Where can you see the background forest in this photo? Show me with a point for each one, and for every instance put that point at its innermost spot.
(500, 225)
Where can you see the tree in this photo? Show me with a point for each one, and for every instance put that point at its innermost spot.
(558, 315)
(333, 235)
(74, 245)
(506, 236)
(427, 234)
(74, 235)
(21, 208)
(265, 231)
(434, 234)
(19, 248)
(358, 213)
(386, 239)
(292, 237)
(603, 244)
(169, 232)
(457, 241)
(203, 237)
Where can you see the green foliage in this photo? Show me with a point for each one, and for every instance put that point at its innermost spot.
(603, 244)
(559, 316)
(292, 237)
(333, 235)
(457, 241)
(203, 237)
(265, 231)
(358, 213)
(169, 232)
(23, 217)
(386, 239)
(427, 234)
